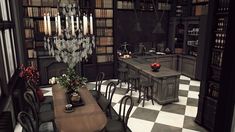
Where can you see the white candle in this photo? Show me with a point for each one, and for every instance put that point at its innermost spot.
(67, 24)
(72, 22)
(91, 24)
(59, 24)
(45, 24)
(56, 23)
(49, 24)
(77, 23)
(84, 24)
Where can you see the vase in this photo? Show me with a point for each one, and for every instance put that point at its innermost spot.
(75, 97)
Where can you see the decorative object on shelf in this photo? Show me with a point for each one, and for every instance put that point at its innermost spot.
(123, 51)
(71, 81)
(155, 66)
(73, 39)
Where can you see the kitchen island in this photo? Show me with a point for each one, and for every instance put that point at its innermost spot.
(165, 82)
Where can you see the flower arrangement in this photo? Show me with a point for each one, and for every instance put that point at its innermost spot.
(29, 73)
(71, 81)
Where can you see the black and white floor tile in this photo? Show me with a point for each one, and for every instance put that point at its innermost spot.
(175, 117)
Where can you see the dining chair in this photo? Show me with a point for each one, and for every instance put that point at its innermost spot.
(96, 91)
(40, 117)
(106, 100)
(120, 124)
(28, 124)
(47, 99)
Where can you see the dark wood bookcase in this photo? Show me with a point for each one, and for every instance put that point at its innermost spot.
(216, 98)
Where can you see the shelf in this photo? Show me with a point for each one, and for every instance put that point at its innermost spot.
(200, 3)
(39, 6)
(196, 46)
(222, 13)
(217, 49)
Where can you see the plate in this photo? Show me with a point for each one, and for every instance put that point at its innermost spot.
(68, 111)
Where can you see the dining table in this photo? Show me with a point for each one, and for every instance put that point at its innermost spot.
(86, 118)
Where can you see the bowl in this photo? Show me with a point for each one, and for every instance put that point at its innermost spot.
(155, 66)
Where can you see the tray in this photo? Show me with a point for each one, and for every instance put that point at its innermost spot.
(75, 104)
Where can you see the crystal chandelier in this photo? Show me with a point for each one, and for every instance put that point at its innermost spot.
(73, 40)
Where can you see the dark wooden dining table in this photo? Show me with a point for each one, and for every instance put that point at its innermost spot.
(86, 118)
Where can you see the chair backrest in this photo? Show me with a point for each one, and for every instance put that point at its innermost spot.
(32, 86)
(123, 112)
(110, 90)
(29, 98)
(26, 122)
(99, 80)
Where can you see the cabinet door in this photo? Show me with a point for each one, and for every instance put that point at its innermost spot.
(188, 66)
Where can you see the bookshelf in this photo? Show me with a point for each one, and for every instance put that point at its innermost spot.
(104, 31)
(144, 5)
(33, 11)
(215, 89)
(199, 7)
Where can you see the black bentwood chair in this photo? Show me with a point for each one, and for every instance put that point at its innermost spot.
(39, 117)
(106, 100)
(120, 124)
(99, 79)
(48, 99)
(29, 125)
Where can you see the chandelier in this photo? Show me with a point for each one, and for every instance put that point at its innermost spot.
(73, 38)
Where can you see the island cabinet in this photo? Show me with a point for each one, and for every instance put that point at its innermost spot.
(187, 65)
(165, 82)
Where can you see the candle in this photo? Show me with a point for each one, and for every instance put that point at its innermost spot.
(77, 23)
(59, 24)
(49, 24)
(45, 24)
(91, 24)
(72, 22)
(56, 23)
(84, 24)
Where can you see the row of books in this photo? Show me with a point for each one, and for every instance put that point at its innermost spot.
(40, 2)
(32, 63)
(104, 41)
(39, 12)
(217, 58)
(125, 5)
(199, 10)
(198, 1)
(104, 23)
(40, 26)
(28, 33)
(28, 23)
(103, 13)
(164, 6)
(104, 58)
(104, 4)
(104, 50)
(32, 53)
(104, 32)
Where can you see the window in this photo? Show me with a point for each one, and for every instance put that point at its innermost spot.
(7, 45)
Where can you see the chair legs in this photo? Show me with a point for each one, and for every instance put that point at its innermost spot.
(133, 84)
(146, 94)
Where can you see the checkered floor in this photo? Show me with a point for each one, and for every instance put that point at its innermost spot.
(175, 117)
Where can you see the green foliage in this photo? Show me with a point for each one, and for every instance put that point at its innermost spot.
(71, 81)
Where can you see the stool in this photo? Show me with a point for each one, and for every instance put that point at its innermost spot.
(133, 83)
(147, 87)
(122, 75)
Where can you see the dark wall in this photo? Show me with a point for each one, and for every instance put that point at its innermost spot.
(126, 31)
